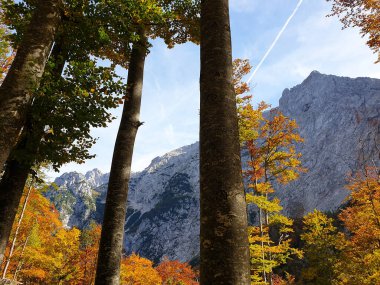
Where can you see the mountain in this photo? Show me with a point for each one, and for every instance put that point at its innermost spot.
(74, 196)
(163, 202)
(338, 117)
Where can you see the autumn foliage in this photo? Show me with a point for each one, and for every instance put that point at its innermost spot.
(340, 249)
(360, 263)
(364, 14)
(270, 140)
(343, 248)
(138, 271)
(46, 252)
(175, 273)
(349, 254)
(6, 53)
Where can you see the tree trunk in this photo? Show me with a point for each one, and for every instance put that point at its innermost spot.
(13, 182)
(261, 234)
(224, 236)
(16, 173)
(270, 273)
(111, 241)
(21, 262)
(17, 229)
(16, 92)
(11, 189)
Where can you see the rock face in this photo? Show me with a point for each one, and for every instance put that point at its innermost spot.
(164, 203)
(339, 118)
(75, 194)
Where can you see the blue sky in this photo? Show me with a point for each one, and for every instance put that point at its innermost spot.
(170, 105)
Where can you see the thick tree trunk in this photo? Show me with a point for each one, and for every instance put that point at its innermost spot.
(16, 92)
(12, 184)
(11, 189)
(16, 173)
(17, 230)
(111, 242)
(224, 237)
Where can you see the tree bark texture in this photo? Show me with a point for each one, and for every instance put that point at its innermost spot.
(16, 92)
(224, 236)
(16, 172)
(16, 232)
(111, 242)
(11, 188)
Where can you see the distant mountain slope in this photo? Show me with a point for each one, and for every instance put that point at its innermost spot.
(338, 117)
(76, 196)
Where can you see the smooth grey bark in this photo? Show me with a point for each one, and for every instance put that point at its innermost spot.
(17, 229)
(13, 182)
(223, 233)
(16, 172)
(11, 189)
(16, 92)
(111, 241)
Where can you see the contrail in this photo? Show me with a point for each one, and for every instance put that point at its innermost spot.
(275, 41)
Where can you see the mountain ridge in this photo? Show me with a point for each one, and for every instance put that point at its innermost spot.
(339, 117)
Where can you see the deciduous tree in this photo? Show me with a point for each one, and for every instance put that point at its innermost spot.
(17, 89)
(6, 53)
(175, 22)
(322, 249)
(364, 14)
(360, 262)
(89, 239)
(350, 255)
(136, 270)
(45, 251)
(75, 103)
(270, 140)
(224, 253)
(176, 273)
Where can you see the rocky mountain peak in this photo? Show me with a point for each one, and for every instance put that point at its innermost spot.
(95, 177)
(339, 118)
(181, 154)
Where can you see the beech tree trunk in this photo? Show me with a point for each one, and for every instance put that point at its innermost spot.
(111, 242)
(224, 236)
(16, 92)
(12, 185)
(16, 173)
(11, 189)
(17, 229)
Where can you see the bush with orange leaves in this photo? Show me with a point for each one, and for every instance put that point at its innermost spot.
(176, 273)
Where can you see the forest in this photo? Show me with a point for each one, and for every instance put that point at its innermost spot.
(60, 78)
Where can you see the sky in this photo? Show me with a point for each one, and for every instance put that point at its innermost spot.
(170, 104)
